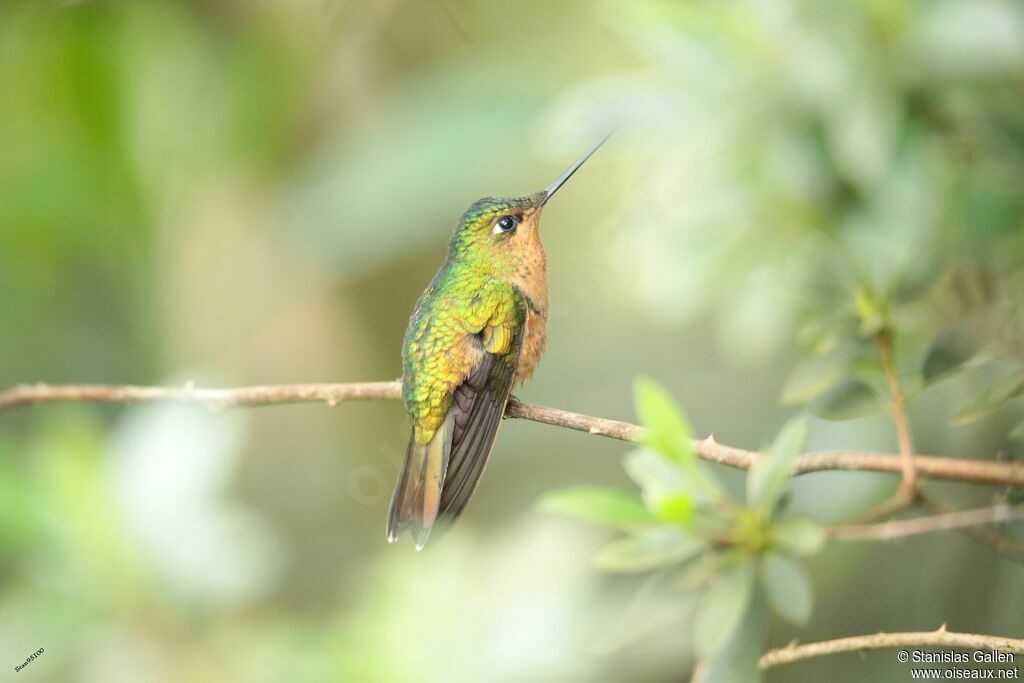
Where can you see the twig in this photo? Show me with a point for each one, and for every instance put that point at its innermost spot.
(880, 641)
(899, 411)
(997, 542)
(214, 399)
(946, 521)
(906, 494)
(935, 467)
(929, 466)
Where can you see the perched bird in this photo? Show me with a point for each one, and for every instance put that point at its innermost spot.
(478, 329)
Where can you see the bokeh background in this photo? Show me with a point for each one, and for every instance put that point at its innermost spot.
(256, 192)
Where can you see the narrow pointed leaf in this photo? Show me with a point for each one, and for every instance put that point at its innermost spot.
(948, 352)
(608, 507)
(812, 377)
(787, 588)
(659, 478)
(1016, 434)
(653, 473)
(649, 549)
(695, 574)
(770, 473)
(992, 398)
(738, 660)
(668, 431)
(649, 609)
(721, 610)
(850, 398)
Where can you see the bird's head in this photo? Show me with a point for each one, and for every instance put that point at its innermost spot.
(503, 231)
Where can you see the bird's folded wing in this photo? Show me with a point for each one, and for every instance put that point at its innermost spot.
(478, 403)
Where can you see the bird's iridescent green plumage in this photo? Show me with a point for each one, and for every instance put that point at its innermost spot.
(466, 297)
(478, 328)
(459, 361)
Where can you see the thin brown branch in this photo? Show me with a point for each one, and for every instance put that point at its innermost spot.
(999, 543)
(214, 399)
(899, 410)
(906, 495)
(880, 641)
(945, 521)
(995, 541)
(928, 466)
(898, 502)
(934, 467)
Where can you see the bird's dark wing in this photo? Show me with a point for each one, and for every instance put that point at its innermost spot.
(478, 405)
(439, 475)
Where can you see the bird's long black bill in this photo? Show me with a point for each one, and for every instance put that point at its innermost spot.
(551, 189)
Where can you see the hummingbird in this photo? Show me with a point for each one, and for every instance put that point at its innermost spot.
(476, 331)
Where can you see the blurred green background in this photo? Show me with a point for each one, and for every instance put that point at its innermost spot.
(240, 192)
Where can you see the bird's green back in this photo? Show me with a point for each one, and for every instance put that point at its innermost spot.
(467, 297)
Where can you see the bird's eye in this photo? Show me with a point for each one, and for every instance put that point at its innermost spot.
(506, 224)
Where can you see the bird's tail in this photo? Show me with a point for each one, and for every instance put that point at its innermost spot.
(417, 496)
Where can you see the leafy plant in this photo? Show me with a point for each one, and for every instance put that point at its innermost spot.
(842, 376)
(686, 531)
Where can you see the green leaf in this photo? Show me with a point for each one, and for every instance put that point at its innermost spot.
(812, 377)
(720, 611)
(787, 588)
(696, 574)
(655, 474)
(992, 398)
(605, 506)
(798, 536)
(951, 348)
(668, 432)
(674, 509)
(648, 610)
(869, 370)
(737, 661)
(872, 310)
(771, 471)
(848, 399)
(649, 549)
(1016, 434)
(660, 478)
